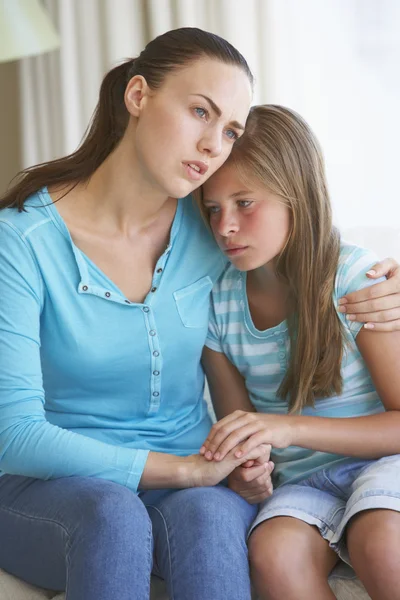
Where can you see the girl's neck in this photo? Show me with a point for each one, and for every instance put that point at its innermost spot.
(268, 298)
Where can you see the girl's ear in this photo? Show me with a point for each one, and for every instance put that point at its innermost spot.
(136, 93)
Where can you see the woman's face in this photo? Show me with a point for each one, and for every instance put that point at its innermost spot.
(185, 130)
(250, 224)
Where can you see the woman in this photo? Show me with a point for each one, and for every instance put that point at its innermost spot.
(105, 281)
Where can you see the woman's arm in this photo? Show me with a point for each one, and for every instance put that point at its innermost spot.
(371, 436)
(32, 446)
(377, 306)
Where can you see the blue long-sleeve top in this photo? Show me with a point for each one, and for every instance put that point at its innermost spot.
(89, 381)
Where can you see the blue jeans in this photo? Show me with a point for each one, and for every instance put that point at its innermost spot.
(98, 540)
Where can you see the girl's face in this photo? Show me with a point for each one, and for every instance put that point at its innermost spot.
(250, 224)
(185, 130)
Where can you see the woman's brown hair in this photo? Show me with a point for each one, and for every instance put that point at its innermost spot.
(166, 53)
(279, 150)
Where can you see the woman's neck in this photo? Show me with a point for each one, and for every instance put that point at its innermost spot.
(118, 198)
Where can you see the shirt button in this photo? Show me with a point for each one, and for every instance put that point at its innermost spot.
(156, 394)
(155, 353)
(281, 354)
(153, 289)
(156, 372)
(146, 309)
(280, 342)
(85, 288)
(152, 332)
(159, 270)
(107, 294)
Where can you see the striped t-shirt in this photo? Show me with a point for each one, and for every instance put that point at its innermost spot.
(262, 358)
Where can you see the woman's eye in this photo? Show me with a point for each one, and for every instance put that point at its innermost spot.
(245, 203)
(231, 133)
(201, 112)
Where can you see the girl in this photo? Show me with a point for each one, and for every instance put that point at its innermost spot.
(326, 389)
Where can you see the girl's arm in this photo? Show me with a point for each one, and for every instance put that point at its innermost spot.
(229, 393)
(377, 306)
(371, 436)
(227, 387)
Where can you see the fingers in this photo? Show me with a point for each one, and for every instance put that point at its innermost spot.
(259, 455)
(232, 441)
(249, 445)
(370, 307)
(227, 434)
(252, 485)
(382, 268)
(384, 288)
(384, 327)
(384, 316)
(223, 427)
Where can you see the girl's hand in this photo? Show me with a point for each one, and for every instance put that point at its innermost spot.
(208, 473)
(248, 429)
(378, 306)
(253, 483)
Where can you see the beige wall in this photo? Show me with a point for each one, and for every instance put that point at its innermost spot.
(10, 152)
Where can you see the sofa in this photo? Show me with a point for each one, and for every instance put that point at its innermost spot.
(343, 583)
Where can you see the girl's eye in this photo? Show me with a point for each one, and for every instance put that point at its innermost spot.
(245, 203)
(201, 112)
(212, 209)
(231, 133)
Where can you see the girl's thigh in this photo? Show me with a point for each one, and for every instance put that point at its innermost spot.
(58, 529)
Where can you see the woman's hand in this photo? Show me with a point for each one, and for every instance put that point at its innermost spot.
(203, 472)
(247, 430)
(254, 482)
(378, 306)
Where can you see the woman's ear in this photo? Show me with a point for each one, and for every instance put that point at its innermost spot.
(136, 93)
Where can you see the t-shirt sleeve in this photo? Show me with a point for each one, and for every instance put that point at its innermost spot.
(351, 276)
(213, 340)
(29, 444)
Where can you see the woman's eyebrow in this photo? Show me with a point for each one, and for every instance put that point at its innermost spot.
(218, 111)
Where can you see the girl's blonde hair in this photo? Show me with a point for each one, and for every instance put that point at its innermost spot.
(280, 151)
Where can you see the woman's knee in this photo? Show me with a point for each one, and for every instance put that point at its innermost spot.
(107, 509)
(213, 509)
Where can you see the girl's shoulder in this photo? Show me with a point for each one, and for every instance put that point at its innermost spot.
(354, 262)
(230, 281)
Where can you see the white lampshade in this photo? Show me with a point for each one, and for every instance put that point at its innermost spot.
(25, 29)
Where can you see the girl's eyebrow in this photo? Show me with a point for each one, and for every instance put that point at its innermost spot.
(241, 193)
(218, 111)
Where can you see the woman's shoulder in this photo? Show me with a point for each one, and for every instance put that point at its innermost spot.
(22, 222)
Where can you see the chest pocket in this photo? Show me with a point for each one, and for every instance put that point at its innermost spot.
(193, 302)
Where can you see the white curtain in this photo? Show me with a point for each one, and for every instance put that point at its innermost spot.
(334, 61)
(59, 90)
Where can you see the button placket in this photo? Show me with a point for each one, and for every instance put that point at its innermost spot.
(156, 360)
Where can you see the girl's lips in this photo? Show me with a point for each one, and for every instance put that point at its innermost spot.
(235, 251)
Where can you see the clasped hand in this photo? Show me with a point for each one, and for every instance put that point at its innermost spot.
(241, 433)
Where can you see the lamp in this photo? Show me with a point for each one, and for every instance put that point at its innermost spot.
(25, 30)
